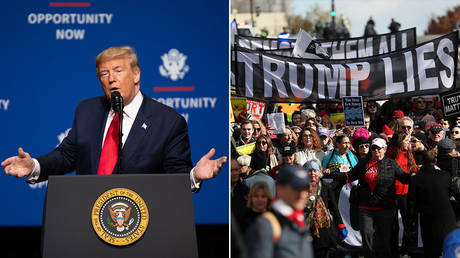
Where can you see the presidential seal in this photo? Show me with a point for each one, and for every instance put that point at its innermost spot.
(120, 216)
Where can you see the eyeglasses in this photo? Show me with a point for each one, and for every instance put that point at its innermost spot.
(263, 143)
(406, 127)
(364, 145)
(375, 147)
(307, 136)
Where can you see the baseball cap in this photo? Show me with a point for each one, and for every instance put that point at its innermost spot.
(379, 142)
(323, 131)
(288, 151)
(293, 175)
(436, 128)
(398, 114)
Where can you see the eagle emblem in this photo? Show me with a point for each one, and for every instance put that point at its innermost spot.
(174, 65)
(119, 212)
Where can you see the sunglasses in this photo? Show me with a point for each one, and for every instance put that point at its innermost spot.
(263, 143)
(364, 145)
(375, 147)
(406, 127)
(257, 129)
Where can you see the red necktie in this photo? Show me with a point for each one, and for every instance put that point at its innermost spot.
(109, 152)
(298, 217)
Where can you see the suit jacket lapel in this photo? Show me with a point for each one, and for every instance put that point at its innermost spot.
(141, 125)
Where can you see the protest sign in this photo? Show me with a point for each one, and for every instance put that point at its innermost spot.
(255, 109)
(340, 48)
(246, 149)
(428, 68)
(338, 118)
(239, 108)
(353, 111)
(451, 103)
(276, 121)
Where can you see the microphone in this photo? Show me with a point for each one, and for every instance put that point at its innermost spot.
(117, 102)
(117, 105)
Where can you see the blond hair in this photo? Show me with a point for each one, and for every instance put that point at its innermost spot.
(260, 185)
(118, 52)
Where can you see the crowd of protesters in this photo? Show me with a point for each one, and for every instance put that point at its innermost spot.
(402, 161)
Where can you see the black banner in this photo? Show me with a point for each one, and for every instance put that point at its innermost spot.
(428, 68)
(340, 48)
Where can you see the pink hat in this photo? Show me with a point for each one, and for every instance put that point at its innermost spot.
(360, 132)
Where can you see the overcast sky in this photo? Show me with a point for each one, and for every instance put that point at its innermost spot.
(410, 13)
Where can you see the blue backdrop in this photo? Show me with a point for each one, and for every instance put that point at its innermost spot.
(48, 67)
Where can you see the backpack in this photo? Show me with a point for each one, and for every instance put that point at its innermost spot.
(276, 226)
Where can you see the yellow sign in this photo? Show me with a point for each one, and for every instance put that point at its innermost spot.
(338, 118)
(239, 108)
(246, 149)
(120, 216)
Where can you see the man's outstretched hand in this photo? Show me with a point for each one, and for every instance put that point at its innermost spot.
(207, 168)
(19, 166)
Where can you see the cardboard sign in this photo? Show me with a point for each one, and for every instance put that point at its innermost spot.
(276, 121)
(353, 111)
(451, 103)
(255, 109)
(246, 149)
(338, 118)
(239, 108)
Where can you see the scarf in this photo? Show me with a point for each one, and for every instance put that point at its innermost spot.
(319, 216)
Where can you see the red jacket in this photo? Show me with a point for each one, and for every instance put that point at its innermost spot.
(402, 161)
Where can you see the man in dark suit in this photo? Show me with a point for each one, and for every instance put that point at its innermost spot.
(155, 138)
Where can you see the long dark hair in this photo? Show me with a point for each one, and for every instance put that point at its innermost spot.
(270, 150)
(395, 148)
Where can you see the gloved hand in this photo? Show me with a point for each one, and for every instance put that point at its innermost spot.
(343, 232)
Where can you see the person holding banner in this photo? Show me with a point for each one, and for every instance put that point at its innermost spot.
(342, 160)
(155, 138)
(376, 178)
